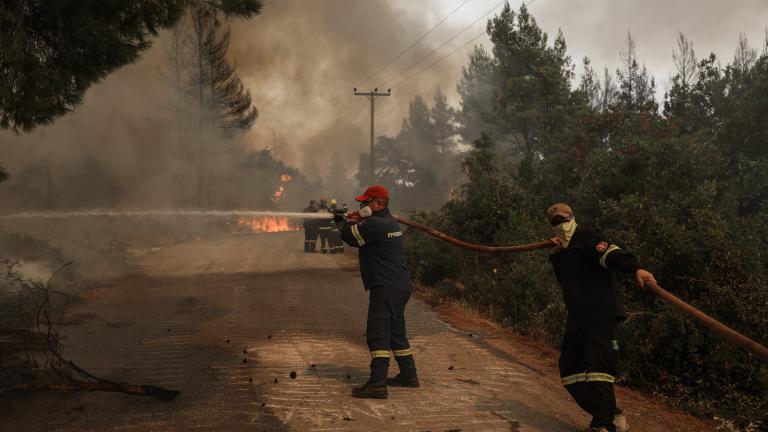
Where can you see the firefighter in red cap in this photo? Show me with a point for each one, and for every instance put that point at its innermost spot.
(385, 275)
(584, 263)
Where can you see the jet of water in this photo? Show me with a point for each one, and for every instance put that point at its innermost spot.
(161, 213)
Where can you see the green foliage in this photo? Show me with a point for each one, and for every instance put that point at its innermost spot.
(686, 191)
(420, 164)
(242, 8)
(52, 52)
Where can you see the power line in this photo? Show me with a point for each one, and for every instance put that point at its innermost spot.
(372, 97)
(413, 44)
(439, 60)
(428, 55)
(444, 44)
(394, 59)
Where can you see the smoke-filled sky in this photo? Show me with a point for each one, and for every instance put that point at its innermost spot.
(301, 59)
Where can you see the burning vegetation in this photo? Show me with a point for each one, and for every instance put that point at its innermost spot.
(278, 195)
(269, 224)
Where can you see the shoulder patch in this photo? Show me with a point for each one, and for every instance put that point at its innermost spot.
(602, 246)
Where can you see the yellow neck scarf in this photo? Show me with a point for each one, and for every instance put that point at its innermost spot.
(565, 231)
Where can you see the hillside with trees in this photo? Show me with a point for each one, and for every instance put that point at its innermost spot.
(683, 184)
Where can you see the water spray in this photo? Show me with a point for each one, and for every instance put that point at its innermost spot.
(161, 213)
(728, 333)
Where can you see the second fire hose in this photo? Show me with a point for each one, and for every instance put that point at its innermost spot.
(723, 330)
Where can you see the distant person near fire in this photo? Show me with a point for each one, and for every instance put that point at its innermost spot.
(325, 226)
(385, 275)
(310, 228)
(584, 263)
(336, 245)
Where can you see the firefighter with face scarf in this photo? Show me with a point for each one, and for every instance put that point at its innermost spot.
(584, 262)
(387, 279)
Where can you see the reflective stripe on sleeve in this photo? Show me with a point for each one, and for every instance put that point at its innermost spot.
(611, 248)
(596, 376)
(587, 377)
(572, 379)
(356, 232)
(403, 352)
(379, 353)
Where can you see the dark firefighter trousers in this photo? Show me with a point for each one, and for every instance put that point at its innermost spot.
(325, 238)
(335, 242)
(385, 331)
(588, 367)
(310, 238)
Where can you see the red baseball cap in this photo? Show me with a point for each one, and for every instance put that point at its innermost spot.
(375, 191)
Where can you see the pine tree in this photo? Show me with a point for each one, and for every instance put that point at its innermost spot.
(230, 105)
(533, 100)
(477, 87)
(209, 81)
(589, 86)
(608, 92)
(745, 55)
(637, 87)
(678, 104)
(51, 55)
(442, 116)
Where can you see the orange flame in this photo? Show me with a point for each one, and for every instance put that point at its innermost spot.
(265, 224)
(285, 178)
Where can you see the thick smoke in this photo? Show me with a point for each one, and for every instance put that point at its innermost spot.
(301, 59)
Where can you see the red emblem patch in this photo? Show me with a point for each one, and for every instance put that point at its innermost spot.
(602, 246)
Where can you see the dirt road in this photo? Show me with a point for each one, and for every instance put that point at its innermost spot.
(226, 321)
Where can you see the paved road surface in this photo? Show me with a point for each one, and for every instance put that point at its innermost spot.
(225, 321)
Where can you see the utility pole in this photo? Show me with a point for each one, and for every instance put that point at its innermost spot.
(372, 96)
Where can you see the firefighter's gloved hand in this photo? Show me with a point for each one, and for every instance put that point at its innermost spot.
(557, 247)
(354, 217)
(338, 217)
(643, 276)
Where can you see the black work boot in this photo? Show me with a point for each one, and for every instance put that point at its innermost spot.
(407, 376)
(403, 380)
(370, 391)
(376, 387)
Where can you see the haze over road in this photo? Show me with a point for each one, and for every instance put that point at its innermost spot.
(226, 321)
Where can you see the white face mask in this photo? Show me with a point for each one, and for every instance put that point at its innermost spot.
(365, 211)
(565, 231)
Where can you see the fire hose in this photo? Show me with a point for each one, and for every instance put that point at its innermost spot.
(723, 330)
(709, 322)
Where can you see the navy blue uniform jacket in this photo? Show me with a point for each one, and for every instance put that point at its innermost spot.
(382, 251)
(585, 270)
